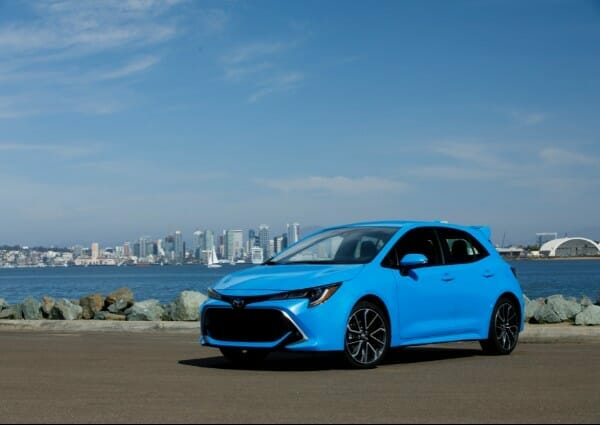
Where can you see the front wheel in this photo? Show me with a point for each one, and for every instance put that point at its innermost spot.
(504, 328)
(367, 338)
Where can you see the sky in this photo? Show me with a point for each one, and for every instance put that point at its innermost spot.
(129, 118)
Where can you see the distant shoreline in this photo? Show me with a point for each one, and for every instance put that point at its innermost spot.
(596, 258)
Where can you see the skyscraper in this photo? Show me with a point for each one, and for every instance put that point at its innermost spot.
(208, 240)
(234, 243)
(197, 243)
(143, 247)
(179, 249)
(293, 233)
(264, 239)
(95, 251)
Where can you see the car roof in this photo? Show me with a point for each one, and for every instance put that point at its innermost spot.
(484, 230)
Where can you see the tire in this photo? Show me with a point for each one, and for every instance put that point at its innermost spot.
(243, 357)
(367, 338)
(504, 328)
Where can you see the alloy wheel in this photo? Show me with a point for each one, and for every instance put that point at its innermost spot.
(366, 336)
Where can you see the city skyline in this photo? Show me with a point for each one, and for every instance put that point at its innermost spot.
(190, 240)
(127, 118)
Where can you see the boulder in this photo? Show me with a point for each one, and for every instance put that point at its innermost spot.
(91, 304)
(12, 312)
(47, 304)
(589, 316)
(585, 302)
(169, 310)
(187, 306)
(531, 307)
(120, 300)
(557, 309)
(66, 310)
(105, 315)
(149, 310)
(32, 309)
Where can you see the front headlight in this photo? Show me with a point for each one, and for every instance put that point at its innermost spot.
(315, 296)
(214, 295)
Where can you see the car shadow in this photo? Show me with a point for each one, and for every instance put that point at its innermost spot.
(275, 362)
(307, 362)
(429, 354)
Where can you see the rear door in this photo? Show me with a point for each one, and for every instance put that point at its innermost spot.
(469, 274)
(424, 310)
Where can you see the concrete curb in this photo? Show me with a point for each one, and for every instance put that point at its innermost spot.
(97, 326)
(531, 334)
(560, 333)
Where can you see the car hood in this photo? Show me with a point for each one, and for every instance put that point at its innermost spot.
(281, 278)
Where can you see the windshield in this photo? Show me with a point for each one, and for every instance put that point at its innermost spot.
(349, 245)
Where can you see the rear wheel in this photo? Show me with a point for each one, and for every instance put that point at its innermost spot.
(367, 338)
(244, 357)
(504, 328)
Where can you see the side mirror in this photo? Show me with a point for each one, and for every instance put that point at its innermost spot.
(412, 261)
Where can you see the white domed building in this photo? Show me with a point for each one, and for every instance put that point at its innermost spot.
(570, 247)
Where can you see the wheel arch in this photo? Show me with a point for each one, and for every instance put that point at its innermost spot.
(512, 297)
(374, 299)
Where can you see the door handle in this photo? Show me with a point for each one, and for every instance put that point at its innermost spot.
(487, 274)
(447, 277)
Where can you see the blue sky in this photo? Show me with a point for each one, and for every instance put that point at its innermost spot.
(127, 118)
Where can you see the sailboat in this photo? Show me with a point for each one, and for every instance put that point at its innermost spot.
(213, 261)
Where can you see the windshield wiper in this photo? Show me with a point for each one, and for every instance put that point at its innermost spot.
(270, 263)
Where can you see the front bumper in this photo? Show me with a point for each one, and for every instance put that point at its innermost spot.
(288, 325)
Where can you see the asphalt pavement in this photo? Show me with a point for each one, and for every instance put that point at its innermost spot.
(160, 374)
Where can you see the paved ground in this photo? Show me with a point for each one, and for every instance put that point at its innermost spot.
(166, 377)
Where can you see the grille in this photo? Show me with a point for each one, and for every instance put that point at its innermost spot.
(249, 325)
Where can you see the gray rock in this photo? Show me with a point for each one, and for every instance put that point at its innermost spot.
(149, 310)
(589, 316)
(169, 309)
(66, 310)
(105, 315)
(585, 302)
(122, 298)
(31, 308)
(187, 306)
(12, 312)
(47, 306)
(91, 304)
(119, 306)
(531, 308)
(557, 309)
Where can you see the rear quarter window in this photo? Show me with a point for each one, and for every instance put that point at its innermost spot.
(461, 247)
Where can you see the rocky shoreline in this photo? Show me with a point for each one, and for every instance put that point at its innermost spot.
(558, 309)
(120, 305)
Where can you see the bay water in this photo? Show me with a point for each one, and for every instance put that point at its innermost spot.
(538, 278)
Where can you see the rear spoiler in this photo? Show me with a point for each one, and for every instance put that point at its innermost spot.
(485, 231)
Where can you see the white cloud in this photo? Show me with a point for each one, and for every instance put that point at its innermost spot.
(557, 156)
(253, 52)
(338, 184)
(260, 66)
(529, 118)
(60, 150)
(278, 84)
(476, 153)
(89, 26)
(134, 67)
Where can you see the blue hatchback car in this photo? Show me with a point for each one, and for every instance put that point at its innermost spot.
(363, 288)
